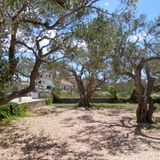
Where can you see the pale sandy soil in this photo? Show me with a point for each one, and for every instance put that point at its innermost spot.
(63, 134)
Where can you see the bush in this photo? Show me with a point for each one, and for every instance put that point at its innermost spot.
(21, 110)
(113, 93)
(55, 94)
(48, 101)
(133, 97)
(12, 109)
(156, 98)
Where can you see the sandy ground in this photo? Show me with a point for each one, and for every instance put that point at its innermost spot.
(63, 134)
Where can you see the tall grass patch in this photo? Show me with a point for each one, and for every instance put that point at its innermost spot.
(12, 110)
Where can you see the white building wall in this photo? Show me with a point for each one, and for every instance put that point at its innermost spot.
(43, 83)
(34, 95)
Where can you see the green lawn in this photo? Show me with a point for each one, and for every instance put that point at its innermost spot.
(126, 106)
(69, 95)
(64, 105)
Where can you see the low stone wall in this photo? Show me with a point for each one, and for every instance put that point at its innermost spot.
(41, 103)
(94, 100)
(36, 104)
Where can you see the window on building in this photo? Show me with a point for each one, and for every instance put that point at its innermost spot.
(49, 87)
(40, 82)
(65, 88)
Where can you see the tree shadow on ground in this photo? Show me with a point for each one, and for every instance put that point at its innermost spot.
(51, 110)
(40, 147)
(121, 136)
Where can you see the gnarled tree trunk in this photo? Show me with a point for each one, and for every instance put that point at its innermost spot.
(145, 108)
(85, 102)
(151, 110)
(141, 112)
(86, 93)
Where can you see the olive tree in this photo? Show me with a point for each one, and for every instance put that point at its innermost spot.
(88, 56)
(136, 54)
(35, 29)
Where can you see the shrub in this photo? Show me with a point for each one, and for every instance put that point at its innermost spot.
(48, 101)
(113, 93)
(21, 110)
(55, 94)
(12, 109)
(133, 97)
(156, 98)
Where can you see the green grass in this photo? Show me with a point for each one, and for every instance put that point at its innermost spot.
(8, 120)
(101, 94)
(126, 106)
(12, 111)
(69, 95)
(66, 106)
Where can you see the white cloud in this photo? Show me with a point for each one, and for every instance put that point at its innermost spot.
(52, 33)
(106, 3)
(80, 44)
(46, 41)
(139, 37)
(31, 41)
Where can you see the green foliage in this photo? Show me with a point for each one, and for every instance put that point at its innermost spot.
(55, 94)
(133, 97)
(12, 110)
(57, 17)
(113, 93)
(48, 101)
(156, 98)
(124, 89)
(21, 110)
(156, 124)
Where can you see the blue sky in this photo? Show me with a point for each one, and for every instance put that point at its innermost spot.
(151, 8)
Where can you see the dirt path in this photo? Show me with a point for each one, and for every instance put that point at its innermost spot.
(63, 134)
